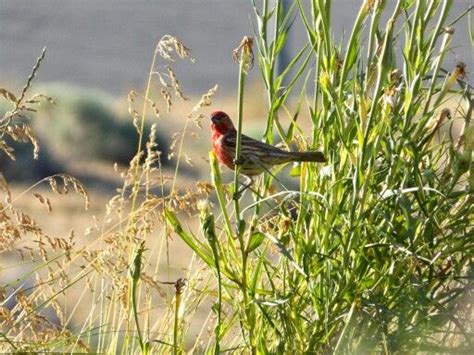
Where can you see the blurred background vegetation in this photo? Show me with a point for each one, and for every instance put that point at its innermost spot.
(93, 63)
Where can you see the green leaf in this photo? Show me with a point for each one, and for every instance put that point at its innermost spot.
(255, 241)
(295, 170)
(198, 247)
(273, 303)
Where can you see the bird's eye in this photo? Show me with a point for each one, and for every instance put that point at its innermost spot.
(216, 118)
(219, 118)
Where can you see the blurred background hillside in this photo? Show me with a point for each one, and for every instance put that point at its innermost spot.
(108, 44)
(97, 51)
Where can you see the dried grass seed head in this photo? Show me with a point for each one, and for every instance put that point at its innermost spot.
(63, 189)
(167, 44)
(205, 100)
(460, 70)
(449, 30)
(175, 83)
(167, 97)
(244, 53)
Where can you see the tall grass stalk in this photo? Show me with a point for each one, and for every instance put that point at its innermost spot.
(245, 58)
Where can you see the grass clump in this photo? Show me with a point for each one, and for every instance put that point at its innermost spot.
(29, 315)
(53, 305)
(374, 252)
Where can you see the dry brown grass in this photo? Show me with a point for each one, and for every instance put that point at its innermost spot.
(67, 255)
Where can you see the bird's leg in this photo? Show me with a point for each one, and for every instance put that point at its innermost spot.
(275, 177)
(247, 184)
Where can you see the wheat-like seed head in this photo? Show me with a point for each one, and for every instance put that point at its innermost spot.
(167, 44)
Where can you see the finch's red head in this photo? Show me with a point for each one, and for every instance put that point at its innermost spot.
(221, 123)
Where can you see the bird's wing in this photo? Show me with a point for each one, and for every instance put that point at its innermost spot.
(251, 145)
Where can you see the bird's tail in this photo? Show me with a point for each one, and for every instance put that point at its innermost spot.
(309, 156)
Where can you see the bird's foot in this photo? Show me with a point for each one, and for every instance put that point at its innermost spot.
(236, 195)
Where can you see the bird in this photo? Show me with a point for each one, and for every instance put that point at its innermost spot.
(256, 157)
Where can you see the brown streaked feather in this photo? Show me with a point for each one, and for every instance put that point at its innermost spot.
(254, 145)
(255, 156)
(258, 157)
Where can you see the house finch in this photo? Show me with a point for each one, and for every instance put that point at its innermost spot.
(255, 156)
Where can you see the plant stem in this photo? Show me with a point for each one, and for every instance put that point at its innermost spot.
(140, 138)
(209, 230)
(135, 275)
(176, 324)
(239, 136)
(239, 221)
